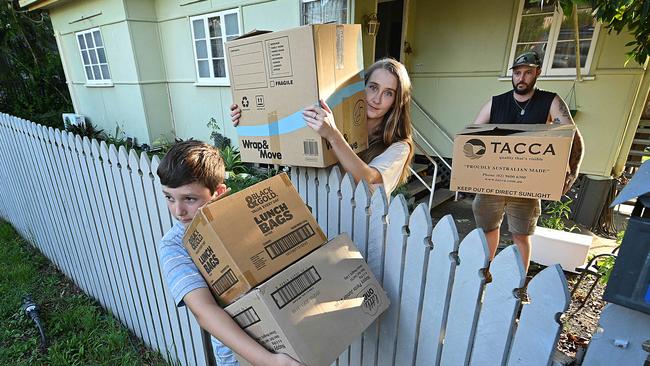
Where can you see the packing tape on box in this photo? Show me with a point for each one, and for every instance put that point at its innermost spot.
(295, 120)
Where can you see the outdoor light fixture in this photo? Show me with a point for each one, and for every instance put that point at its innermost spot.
(372, 23)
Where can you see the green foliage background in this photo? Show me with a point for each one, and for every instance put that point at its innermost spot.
(32, 81)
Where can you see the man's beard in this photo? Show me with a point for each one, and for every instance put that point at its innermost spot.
(526, 90)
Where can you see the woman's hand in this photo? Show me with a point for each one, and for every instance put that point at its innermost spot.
(235, 114)
(321, 120)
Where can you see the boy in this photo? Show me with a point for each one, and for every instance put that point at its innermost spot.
(192, 174)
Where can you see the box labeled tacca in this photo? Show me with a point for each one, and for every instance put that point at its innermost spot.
(314, 309)
(275, 75)
(239, 241)
(519, 160)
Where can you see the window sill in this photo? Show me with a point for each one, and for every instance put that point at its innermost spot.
(211, 83)
(99, 85)
(554, 78)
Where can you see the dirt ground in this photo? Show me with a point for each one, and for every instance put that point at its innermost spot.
(579, 323)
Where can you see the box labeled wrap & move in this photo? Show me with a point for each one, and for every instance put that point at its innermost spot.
(314, 309)
(518, 160)
(239, 241)
(275, 75)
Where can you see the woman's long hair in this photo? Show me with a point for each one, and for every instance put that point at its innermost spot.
(397, 121)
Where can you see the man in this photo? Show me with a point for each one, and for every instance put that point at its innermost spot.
(525, 104)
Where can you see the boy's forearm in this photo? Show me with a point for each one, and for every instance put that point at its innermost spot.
(217, 322)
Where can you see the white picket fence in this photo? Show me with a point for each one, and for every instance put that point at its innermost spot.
(96, 212)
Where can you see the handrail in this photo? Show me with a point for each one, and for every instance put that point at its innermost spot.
(435, 124)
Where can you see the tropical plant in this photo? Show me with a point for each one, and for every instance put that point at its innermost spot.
(232, 160)
(86, 129)
(557, 212)
(220, 141)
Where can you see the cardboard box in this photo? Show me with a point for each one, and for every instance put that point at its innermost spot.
(239, 241)
(274, 76)
(528, 161)
(317, 307)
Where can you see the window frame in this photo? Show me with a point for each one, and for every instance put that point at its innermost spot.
(95, 82)
(212, 80)
(348, 12)
(547, 63)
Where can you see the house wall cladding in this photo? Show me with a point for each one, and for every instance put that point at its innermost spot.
(97, 213)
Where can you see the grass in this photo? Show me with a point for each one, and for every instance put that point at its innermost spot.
(78, 330)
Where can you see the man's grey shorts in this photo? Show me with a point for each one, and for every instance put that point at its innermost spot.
(522, 213)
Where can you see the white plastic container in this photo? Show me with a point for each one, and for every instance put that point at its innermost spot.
(551, 246)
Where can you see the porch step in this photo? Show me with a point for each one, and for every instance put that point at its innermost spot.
(419, 168)
(440, 196)
(639, 153)
(641, 142)
(643, 131)
(415, 187)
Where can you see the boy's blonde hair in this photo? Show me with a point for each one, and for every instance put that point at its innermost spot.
(192, 161)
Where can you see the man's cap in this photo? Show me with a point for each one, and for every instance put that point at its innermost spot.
(528, 58)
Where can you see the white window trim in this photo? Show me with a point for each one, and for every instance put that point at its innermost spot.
(213, 81)
(547, 69)
(93, 83)
(348, 5)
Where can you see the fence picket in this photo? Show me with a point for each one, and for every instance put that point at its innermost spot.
(375, 259)
(334, 203)
(499, 311)
(322, 198)
(392, 279)
(179, 324)
(142, 242)
(68, 209)
(40, 182)
(465, 299)
(98, 216)
(82, 212)
(150, 226)
(360, 224)
(56, 203)
(346, 225)
(85, 189)
(539, 329)
(125, 198)
(415, 263)
(312, 189)
(437, 292)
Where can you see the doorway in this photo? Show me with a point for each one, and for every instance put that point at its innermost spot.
(389, 37)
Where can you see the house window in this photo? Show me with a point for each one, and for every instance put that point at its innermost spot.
(543, 28)
(93, 56)
(210, 33)
(323, 11)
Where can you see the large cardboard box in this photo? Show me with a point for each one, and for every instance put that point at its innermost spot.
(274, 76)
(239, 241)
(317, 307)
(516, 160)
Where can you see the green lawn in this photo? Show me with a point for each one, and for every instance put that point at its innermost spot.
(78, 330)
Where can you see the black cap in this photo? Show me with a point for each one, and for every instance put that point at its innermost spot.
(528, 58)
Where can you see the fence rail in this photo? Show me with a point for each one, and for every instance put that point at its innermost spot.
(96, 212)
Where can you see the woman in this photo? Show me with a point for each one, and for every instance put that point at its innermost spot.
(390, 150)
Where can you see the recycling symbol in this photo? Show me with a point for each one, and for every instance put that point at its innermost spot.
(244, 102)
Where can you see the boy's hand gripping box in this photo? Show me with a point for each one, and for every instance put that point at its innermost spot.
(317, 307)
(239, 241)
(274, 76)
(518, 160)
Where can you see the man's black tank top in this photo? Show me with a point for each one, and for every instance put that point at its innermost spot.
(505, 109)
